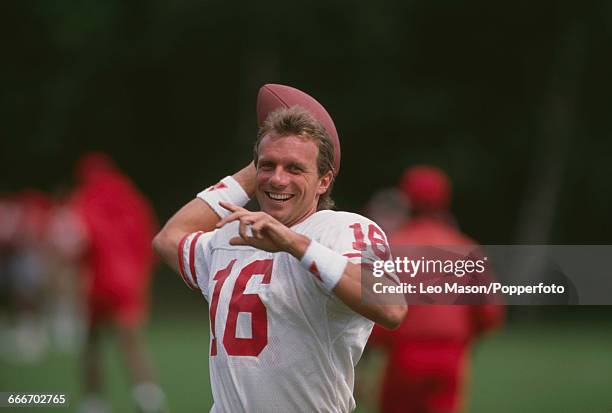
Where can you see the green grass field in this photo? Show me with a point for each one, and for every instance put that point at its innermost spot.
(536, 366)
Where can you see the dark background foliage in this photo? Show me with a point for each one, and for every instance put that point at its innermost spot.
(511, 98)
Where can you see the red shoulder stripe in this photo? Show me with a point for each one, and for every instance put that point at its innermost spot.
(182, 264)
(192, 258)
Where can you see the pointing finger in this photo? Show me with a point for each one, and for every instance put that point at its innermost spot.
(231, 217)
(231, 207)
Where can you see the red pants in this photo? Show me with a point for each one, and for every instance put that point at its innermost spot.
(424, 377)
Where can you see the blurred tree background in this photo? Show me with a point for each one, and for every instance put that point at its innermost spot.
(510, 98)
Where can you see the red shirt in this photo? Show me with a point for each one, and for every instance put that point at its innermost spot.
(457, 323)
(120, 225)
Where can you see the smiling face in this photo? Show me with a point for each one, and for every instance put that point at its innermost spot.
(288, 183)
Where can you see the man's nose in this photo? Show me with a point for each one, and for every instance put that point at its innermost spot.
(280, 177)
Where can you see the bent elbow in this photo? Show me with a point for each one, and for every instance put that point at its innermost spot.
(158, 243)
(394, 316)
(164, 245)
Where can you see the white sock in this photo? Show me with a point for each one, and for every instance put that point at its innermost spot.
(149, 397)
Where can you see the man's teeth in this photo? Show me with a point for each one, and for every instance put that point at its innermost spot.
(279, 197)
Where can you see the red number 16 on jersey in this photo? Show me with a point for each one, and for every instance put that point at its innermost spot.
(242, 302)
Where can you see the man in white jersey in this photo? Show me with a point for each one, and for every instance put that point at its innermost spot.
(284, 285)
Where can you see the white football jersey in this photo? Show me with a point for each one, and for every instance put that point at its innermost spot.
(279, 341)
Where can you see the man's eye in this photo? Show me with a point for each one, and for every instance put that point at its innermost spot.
(295, 169)
(265, 167)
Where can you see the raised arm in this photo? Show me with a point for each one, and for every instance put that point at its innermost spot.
(196, 215)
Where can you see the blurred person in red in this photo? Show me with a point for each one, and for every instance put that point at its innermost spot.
(116, 224)
(428, 355)
(23, 221)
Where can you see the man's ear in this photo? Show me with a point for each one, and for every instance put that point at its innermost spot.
(325, 182)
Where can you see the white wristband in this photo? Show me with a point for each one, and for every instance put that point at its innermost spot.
(227, 190)
(325, 264)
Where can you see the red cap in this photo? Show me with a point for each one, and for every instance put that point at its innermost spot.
(427, 187)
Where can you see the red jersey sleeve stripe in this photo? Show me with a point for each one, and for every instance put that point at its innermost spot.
(181, 246)
(192, 249)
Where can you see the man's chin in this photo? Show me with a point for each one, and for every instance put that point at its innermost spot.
(278, 214)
